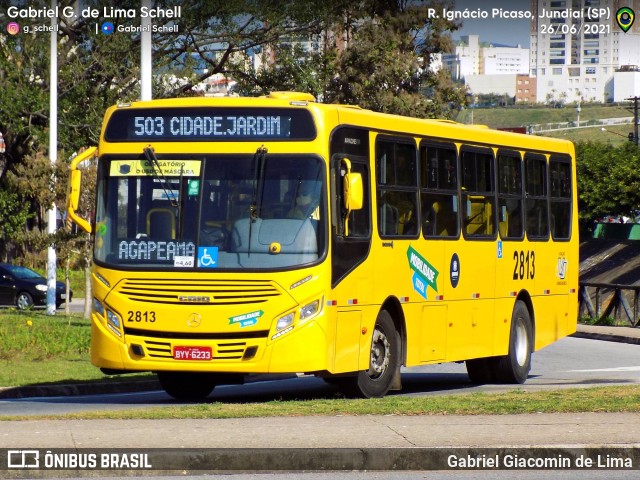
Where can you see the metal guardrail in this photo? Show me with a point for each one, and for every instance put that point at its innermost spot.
(617, 301)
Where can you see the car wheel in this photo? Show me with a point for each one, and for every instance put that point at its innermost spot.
(24, 301)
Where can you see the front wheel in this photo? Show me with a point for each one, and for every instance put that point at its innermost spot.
(24, 301)
(189, 386)
(383, 363)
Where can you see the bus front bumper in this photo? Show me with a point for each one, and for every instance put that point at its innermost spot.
(303, 349)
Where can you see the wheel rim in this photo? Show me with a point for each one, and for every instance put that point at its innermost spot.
(23, 302)
(521, 343)
(380, 354)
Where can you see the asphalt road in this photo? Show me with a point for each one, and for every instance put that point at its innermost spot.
(568, 363)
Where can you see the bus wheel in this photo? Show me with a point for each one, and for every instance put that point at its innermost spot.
(515, 366)
(481, 370)
(187, 385)
(384, 357)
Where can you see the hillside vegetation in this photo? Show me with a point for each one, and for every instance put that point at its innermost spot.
(500, 117)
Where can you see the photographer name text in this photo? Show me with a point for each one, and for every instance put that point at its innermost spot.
(90, 12)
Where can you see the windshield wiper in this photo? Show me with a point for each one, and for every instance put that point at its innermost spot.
(258, 162)
(150, 155)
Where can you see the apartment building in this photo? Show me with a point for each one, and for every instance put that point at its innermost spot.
(472, 58)
(576, 50)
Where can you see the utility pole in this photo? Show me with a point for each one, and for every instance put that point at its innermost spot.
(635, 118)
(53, 156)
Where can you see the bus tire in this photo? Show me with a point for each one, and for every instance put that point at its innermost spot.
(383, 362)
(515, 366)
(189, 386)
(481, 370)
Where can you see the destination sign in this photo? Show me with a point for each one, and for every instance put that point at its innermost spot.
(209, 124)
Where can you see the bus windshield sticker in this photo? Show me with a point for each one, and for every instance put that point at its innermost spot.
(424, 274)
(168, 168)
(246, 319)
(183, 261)
(207, 257)
(454, 270)
(193, 187)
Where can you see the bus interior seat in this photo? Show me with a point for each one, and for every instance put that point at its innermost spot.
(161, 223)
(503, 224)
(293, 236)
(479, 221)
(389, 219)
(430, 225)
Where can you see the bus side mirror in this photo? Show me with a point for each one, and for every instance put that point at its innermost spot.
(73, 197)
(352, 192)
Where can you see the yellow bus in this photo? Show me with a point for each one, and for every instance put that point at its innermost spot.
(238, 236)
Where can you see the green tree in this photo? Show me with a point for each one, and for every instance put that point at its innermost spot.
(376, 54)
(608, 179)
(13, 216)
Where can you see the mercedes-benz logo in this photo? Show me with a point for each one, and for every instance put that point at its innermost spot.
(194, 320)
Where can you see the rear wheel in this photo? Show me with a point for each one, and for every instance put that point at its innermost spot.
(187, 385)
(515, 366)
(383, 363)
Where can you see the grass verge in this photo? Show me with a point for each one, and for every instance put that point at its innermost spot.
(597, 399)
(37, 349)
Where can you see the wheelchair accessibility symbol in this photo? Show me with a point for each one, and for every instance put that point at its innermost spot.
(207, 257)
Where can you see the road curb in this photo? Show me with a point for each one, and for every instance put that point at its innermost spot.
(70, 389)
(609, 334)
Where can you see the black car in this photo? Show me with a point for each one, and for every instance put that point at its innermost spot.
(23, 288)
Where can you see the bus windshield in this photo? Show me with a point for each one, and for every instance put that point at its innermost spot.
(258, 211)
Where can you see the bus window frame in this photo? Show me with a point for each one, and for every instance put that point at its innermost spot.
(518, 155)
(396, 187)
(425, 190)
(560, 158)
(493, 194)
(545, 160)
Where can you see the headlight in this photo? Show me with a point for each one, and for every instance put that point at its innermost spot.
(310, 310)
(98, 307)
(42, 288)
(284, 322)
(113, 321)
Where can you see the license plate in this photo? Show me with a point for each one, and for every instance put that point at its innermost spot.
(192, 353)
(63, 296)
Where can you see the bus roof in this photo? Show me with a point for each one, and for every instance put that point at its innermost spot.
(356, 116)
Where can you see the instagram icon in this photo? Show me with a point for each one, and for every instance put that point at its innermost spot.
(13, 28)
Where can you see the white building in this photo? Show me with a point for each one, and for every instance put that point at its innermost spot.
(575, 54)
(471, 58)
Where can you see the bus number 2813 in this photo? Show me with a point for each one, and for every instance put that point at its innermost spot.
(139, 316)
(524, 265)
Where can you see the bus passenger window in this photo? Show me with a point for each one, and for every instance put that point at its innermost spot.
(537, 214)
(439, 191)
(510, 211)
(478, 194)
(560, 221)
(397, 192)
